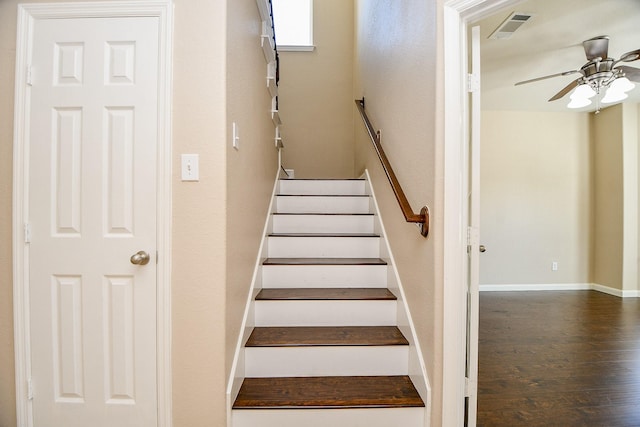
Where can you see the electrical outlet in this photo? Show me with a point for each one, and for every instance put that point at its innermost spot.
(554, 266)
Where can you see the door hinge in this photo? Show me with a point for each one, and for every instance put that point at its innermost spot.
(469, 387)
(473, 237)
(473, 83)
(27, 232)
(29, 389)
(29, 75)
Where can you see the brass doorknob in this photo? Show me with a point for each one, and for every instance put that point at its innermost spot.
(140, 258)
(482, 248)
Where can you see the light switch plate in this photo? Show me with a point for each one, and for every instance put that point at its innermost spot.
(190, 167)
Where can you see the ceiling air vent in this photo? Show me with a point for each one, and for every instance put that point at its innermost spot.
(510, 25)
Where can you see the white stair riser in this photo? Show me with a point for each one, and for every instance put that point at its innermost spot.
(321, 361)
(323, 223)
(324, 204)
(329, 187)
(324, 276)
(326, 313)
(324, 247)
(377, 417)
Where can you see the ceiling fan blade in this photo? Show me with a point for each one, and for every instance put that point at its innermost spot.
(565, 73)
(568, 88)
(630, 56)
(631, 73)
(597, 47)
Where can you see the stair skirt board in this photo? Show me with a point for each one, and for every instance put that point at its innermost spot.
(297, 208)
(394, 417)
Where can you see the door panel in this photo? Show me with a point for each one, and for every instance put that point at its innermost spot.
(473, 232)
(92, 144)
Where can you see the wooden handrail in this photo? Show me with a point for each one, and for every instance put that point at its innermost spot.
(423, 217)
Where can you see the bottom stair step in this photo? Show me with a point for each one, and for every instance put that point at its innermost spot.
(328, 393)
(376, 417)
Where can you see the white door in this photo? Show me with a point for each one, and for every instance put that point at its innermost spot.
(473, 230)
(92, 141)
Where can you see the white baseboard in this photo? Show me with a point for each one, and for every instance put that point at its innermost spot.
(536, 287)
(617, 292)
(560, 287)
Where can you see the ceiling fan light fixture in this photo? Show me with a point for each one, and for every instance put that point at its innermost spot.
(621, 84)
(579, 102)
(613, 96)
(584, 91)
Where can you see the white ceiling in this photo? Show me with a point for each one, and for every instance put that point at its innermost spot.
(551, 42)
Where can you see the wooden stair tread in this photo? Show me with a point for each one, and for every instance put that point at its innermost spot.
(328, 393)
(303, 336)
(325, 294)
(322, 179)
(324, 261)
(322, 213)
(323, 235)
(322, 195)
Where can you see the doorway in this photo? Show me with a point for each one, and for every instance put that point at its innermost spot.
(90, 289)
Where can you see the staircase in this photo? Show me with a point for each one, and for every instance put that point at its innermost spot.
(326, 349)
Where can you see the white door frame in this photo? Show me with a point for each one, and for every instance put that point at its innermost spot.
(28, 14)
(457, 15)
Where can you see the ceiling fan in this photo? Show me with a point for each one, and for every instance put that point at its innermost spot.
(600, 72)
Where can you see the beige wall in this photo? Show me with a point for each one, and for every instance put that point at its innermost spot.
(608, 197)
(535, 198)
(199, 215)
(251, 171)
(630, 196)
(7, 64)
(395, 70)
(615, 138)
(204, 283)
(315, 97)
(560, 187)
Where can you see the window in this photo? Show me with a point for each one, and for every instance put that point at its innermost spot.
(293, 21)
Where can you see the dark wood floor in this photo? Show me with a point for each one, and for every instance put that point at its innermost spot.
(559, 359)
